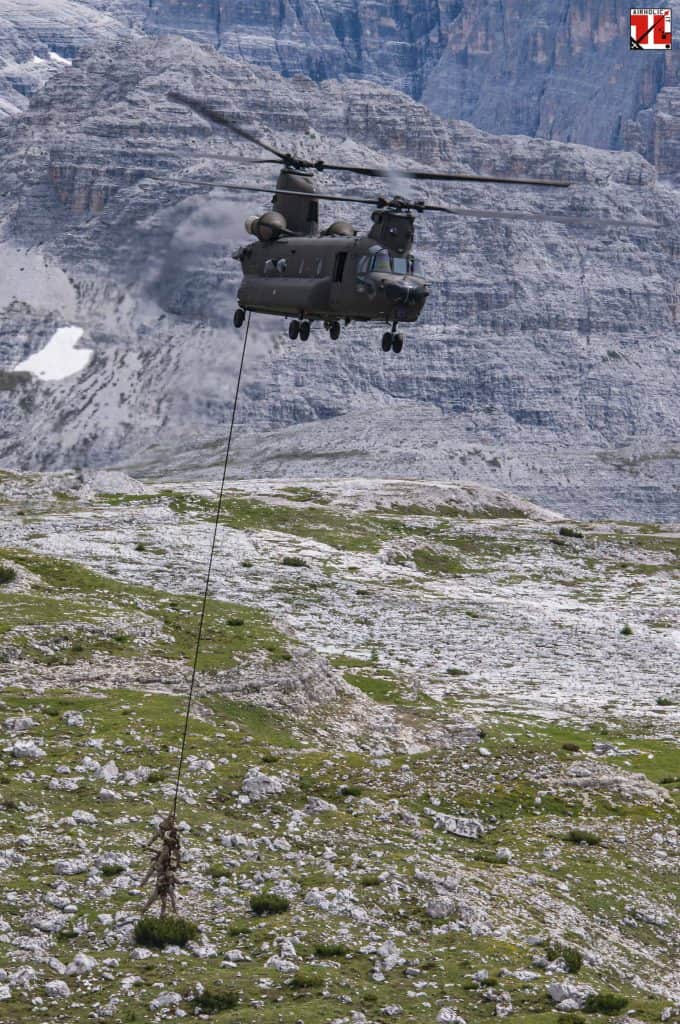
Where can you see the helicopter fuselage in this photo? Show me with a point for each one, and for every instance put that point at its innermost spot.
(331, 278)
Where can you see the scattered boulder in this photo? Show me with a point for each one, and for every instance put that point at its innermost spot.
(57, 989)
(257, 785)
(27, 750)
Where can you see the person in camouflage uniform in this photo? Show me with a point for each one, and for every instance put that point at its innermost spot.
(165, 864)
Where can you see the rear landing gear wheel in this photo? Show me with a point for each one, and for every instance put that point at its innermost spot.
(239, 317)
(305, 328)
(293, 329)
(334, 331)
(397, 342)
(386, 341)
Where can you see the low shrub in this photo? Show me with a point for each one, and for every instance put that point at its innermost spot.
(111, 870)
(456, 672)
(326, 950)
(214, 1000)
(305, 979)
(269, 903)
(605, 1002)
(7, 574)
(371, 879)
(158, 932)
(627, 630)
(235, 622)
(570, 531)
(351, 789)
(294, 561)
(579, 835)
(664, 702)
(140, 546)
(218, 871)
(571, 747)
(572, 958)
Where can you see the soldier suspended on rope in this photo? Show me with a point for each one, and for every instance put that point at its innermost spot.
(165, 864)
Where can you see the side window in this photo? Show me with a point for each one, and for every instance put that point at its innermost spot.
(319, 267)
(339, 267)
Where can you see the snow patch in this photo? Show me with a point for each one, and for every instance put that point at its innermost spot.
(60, 358)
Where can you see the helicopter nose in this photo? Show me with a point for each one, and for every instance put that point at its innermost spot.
(405, 293)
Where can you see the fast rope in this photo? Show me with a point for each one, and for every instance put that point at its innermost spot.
(201, 621)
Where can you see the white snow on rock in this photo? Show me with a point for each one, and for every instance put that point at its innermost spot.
(59, 358)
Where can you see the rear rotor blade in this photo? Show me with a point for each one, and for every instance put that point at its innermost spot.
(223, 121)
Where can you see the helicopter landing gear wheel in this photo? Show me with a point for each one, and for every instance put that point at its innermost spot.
(293, 329)
(387, 341)
(305, 328)
(334, 331)
(397, 343)
(239, 317)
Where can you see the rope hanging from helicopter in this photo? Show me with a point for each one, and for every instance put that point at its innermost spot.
(167, 859)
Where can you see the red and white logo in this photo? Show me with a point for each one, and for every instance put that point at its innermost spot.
(650, 28)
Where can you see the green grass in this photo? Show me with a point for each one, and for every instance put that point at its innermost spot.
(71, 607)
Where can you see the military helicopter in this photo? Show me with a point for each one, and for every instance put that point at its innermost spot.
(299, 272)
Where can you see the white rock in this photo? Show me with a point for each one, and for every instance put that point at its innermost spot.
(71, 867)
(140, 953)
(257, 785)
(81, 964)
(165, 999)
(19, 724)
(74, 719)
(235, 956)
(108, 795)
(5, 992)
(27, 750)
(57, 990)
(447, 1015)
(315, 805)
(468, 828)
(107, 772)
(440, 907)
(279, 963)
(66, 785)
(84, 818)
(561, 991)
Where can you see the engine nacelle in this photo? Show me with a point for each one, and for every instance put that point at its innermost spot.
(267, 227)
(341, 228)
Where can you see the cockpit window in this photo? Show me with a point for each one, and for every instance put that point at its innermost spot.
(383, 262)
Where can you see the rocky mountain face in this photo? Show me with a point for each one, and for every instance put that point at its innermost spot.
(560, 70)
(546, 362)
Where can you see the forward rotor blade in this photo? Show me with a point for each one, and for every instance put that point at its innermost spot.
(382, 172)
(458, 211)
(470, 211)
(223, 121)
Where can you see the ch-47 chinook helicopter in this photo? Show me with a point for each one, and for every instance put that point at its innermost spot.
(297, 271)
